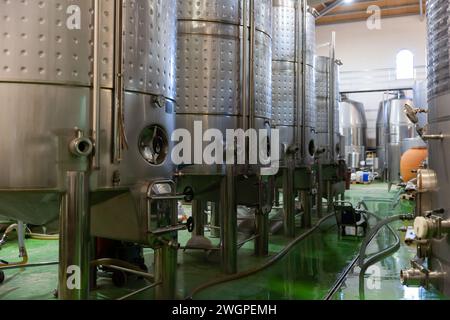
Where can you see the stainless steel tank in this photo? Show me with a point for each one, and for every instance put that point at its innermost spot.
(328, 137)
(210, 65)
(394, 130)
(353, 126)
(439, 123)
(61, 87)
(46, 78)
(285, 99)
(142, 125)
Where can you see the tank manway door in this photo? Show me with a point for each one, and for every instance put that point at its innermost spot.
(151, 219)
(162, 208)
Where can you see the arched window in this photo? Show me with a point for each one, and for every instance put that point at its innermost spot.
(405, 65)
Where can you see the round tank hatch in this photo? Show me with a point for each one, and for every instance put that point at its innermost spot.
(312, 148)
(154, 145)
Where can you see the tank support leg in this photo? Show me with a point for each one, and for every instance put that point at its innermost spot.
(215, 221)
(277, 197)
(289, 202)
(319, 206)
(198, 213)
(330, 197)
(306, 200)
(228, 215)
(262, 232)
(166, 271)
(74, 247)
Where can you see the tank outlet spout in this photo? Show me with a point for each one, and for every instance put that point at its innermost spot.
(428, 137)
(419, 278)
(81, 146)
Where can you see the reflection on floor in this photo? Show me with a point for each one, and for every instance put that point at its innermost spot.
(308, 271)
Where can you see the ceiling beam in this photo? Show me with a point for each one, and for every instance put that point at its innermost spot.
(358, 10)
(330, 8)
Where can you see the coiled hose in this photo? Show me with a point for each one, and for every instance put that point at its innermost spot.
(376, 229)
(363, 264)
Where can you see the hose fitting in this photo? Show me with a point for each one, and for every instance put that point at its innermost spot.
(419, 278)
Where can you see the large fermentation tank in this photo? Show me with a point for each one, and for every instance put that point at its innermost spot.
(210, 65)
(439, 123)
(328, 134)
(353, 126)
(61, 83)
(395, 133)
(286, 103)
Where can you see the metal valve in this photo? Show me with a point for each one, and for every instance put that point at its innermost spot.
(431, 227)
(412, 113)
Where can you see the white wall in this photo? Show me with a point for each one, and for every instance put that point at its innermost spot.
(360, 48)
(369, 58)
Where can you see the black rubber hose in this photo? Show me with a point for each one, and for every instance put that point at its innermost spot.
(377, 258)
(376, 229)
(273, 260)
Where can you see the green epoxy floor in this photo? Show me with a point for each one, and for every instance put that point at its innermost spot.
(306, 273)
(382, 279)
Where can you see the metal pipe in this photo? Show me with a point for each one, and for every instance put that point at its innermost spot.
(304, 15)
(122, 266)
(422, 15)
(131, 271)
(74, 245)
(96, 88)
(298, 59)
(132, 294)
(251, 86)
(30, 265)
(245, 55)
(374, 91)
(332, 97)
(118, 86)
(166, 271)
(228, 216)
